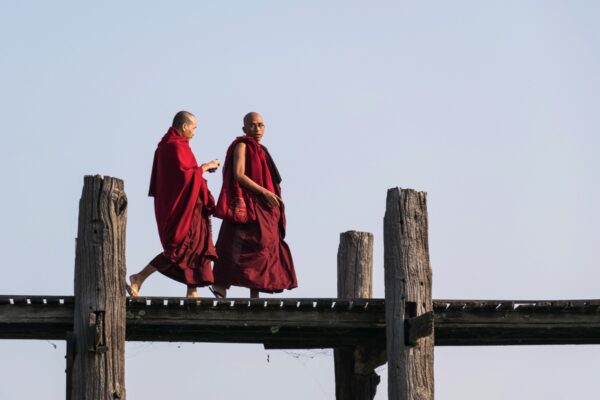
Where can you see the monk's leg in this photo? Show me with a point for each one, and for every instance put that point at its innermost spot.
(192, 292)
(139, 278)
(254, 294)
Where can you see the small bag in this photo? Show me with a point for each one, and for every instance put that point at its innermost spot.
(237, 210)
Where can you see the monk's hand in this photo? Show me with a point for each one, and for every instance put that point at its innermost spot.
(211, 166)
(272, 199)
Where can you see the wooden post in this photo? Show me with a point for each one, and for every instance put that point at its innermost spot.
(355, 377)
(69, 370)
(409, 308)
(99, 315)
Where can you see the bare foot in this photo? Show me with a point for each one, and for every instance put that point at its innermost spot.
(192, 293)
(135, 285)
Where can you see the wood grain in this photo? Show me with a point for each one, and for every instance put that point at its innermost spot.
(407, 294)
(355, 377)
(99, 310)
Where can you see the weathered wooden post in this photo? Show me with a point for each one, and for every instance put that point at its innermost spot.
(408, 304)
(98, 371)
(355, 376)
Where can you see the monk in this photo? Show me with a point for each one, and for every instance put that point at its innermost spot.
(182, 205)
(251, 247)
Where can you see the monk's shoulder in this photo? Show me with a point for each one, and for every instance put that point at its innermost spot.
(174, 151)
(238, 146)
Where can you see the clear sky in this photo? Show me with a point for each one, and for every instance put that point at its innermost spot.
(486, 106)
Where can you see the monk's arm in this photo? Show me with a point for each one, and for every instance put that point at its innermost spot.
(239, 174)
(184, 159)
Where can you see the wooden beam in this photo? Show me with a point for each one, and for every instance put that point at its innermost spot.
(516, 322)
(418, 327)
(36, 317)
(277, 322)
(407, 294)
(99, 308)
(456, 322)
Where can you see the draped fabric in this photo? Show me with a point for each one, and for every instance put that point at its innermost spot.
(191, 262)
(252, 251)
(237, 204)
(182, 205)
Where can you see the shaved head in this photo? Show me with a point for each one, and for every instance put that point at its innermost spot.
(248, 117)
(182, 117)
(254, 125)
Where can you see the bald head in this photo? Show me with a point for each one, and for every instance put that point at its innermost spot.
(182, 117)
(254, 125)
(185, 124)
(248, 117)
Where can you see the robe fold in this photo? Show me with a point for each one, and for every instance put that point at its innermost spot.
(182, 206)
(251, 247)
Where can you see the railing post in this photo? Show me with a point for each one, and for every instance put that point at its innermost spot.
(355, 377)
(98, 371)
(408, 304)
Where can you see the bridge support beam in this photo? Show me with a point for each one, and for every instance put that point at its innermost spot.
(355, 376)
(98, 341)
(408, 304)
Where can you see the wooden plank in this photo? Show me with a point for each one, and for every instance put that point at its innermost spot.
(482, 326)
(233, 317)
(407, 294)
(526, 322)
(324, 304)
(418, 327)
(36, 321)
(99, 310)
(289, 304)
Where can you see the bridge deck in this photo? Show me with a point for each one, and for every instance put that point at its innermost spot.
(312, 323)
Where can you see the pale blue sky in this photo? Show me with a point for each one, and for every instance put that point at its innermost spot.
(490, 107)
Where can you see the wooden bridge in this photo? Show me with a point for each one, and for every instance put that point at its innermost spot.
(312, 323)
(364, 332)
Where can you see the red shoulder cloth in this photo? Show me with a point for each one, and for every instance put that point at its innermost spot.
(176, 185)
(235, 202)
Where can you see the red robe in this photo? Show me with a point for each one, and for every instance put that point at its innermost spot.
(252, 252)
(182, 205)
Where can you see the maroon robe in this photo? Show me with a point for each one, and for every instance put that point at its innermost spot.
(182, 205)
(252, 252)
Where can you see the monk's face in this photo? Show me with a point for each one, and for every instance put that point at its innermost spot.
(188, 130)
(254, 127)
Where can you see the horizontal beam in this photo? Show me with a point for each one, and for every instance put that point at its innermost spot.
(313, 323)
(36, 317)
(275, 322)
(516, 322)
